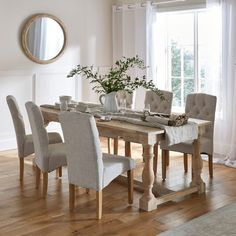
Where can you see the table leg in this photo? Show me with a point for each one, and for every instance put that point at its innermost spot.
(148, 202)
(197, 168)
(127, 149)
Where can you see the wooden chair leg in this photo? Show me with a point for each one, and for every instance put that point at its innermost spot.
(38, 173)
(155, 158)
(109, 145)
(143, 157)
(71, 197)
(127, 149)
(167, 158)
(163, 164)
(192, 164)
(99, 204)
(210, 160)
(45, 184)
(130, 175)
(116, 144)
(21, 169)
(185, 162)
(59, 172)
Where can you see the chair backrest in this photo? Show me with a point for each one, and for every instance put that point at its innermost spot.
(84, 154)
(157, 104)
(202, 106)
(40, 136)
(18, 123)
(129, 98)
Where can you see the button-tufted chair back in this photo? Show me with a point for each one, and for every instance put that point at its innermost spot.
(157, 104)
(129, 98)
(202, 106)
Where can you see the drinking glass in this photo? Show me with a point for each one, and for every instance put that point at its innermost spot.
(122, 105)
(147, 108)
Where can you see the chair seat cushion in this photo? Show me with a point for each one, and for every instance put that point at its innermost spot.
(56, 155)
(28, 145)
(114, 165)
(206, 146)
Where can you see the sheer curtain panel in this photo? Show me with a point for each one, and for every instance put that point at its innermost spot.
(221, 79)
(133, 35)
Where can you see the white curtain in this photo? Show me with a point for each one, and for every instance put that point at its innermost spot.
(221, 80)
(133, 35)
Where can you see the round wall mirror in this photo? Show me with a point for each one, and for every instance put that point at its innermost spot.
(43, 38)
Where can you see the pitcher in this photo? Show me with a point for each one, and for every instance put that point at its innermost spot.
(109, 102)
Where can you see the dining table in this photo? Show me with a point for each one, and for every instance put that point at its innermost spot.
(148, 137)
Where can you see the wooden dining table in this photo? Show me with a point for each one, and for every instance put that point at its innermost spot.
(148, 137)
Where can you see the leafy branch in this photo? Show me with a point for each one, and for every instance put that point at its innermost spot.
(117, 78)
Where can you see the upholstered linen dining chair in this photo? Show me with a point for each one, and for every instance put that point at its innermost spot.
(88, 167)
(160, 106)
(199, 106)
(25, 143)
(48, 157)
(123, 98)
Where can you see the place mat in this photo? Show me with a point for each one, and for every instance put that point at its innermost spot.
(50, 106)
(90, 104)
(57, 106)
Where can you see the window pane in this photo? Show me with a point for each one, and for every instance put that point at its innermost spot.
(188, 61)
(176, 89)
(188, 87)
(202, 46)
(175, 59)
(181, 44)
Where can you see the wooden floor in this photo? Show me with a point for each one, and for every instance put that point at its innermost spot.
(24, 212)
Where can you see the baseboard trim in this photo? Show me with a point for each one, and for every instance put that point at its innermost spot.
(7, 144)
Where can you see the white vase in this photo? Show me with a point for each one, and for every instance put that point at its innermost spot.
(109, 102)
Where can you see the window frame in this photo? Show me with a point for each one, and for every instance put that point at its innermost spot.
(196, 74)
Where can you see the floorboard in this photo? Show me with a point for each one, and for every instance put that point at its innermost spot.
(25, 212)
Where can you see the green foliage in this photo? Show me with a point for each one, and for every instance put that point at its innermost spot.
(117, 78)
(188, 72)
(175, 59)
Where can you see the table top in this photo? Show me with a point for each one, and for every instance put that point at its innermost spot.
(130, 132)
(53, 113)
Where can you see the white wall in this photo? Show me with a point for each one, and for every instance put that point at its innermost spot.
(89, 36)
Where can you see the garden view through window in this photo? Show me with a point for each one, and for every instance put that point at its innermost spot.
(181, 52)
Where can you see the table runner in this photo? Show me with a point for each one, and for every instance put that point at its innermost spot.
(174, 135)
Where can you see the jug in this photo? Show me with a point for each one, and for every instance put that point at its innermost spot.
(109, 102)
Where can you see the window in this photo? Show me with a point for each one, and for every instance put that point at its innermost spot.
(181, 53)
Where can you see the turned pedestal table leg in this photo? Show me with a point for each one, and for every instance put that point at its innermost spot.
(197, 168)
(148, 202)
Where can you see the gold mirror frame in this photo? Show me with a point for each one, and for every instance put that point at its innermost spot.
(24, 38)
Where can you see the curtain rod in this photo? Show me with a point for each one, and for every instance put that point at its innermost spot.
(130, 6)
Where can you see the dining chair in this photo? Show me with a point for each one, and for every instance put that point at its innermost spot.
(123, 99)
(25, 143)
(160, 106)
(199, 106)
(48, 157)
(88, 167)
